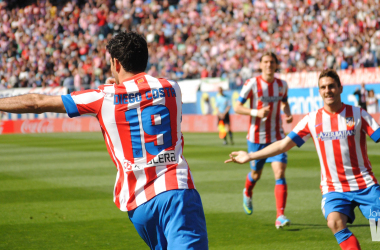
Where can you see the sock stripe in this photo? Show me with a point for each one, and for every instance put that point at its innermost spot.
(250, 178)
(343, 235)
(281, 181)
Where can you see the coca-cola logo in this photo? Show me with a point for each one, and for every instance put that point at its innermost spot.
(37, 126)
(72, 125)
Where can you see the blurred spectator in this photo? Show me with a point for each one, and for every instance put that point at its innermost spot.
(372, 102)
(191, 39)
(362, 95)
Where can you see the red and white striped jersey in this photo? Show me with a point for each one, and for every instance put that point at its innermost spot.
(262, 94)
(340, 140)
(141, 124)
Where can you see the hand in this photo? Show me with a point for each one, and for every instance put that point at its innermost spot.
(110, 80)
(221, 116)
(289, 119)
(238, 157)
(263, 112)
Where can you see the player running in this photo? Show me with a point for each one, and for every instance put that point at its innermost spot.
(268, 95)
(339, 134)
(140, 117)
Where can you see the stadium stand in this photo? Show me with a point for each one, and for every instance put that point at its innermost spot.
(42, 44)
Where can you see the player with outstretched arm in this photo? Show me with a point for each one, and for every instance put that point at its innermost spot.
(339, 134)
(140, 118)
(268, 95)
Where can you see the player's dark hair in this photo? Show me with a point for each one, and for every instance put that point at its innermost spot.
(131, 50)
(268, 53)
(330, 73)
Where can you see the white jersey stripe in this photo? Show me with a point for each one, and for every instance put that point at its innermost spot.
(87, 98)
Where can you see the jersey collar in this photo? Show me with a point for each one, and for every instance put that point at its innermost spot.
(134, 77)
(338, 112)
(262, 79)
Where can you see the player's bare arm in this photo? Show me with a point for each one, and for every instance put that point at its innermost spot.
(275, 148)
(261, 113)
(286, 109)
(32, 103)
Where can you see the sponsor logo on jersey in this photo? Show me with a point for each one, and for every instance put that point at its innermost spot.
(165, 158)
(162, 159)
(271, 98)
(335, 135)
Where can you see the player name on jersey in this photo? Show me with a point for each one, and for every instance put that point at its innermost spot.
(150, 94)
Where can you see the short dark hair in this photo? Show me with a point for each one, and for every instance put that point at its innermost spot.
(268, 53)
(131, 50)
(330, 73)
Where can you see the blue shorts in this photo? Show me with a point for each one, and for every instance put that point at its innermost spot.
(368, 201)
(257, 165)
(172, 220)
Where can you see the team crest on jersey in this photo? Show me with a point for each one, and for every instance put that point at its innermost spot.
(350, 122)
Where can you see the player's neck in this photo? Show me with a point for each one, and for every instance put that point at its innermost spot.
(333, 108)
(123, 75)
(268, 78)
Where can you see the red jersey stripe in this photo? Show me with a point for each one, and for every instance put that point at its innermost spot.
(250, 95)
(171, 104)
(277, 128)
(353, 155)
(366, 127)
(92, 108)
(151, 175)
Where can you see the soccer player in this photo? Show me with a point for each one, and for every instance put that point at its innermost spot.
(268, 95)
(140, 118)
(223, 109)
(339, 134)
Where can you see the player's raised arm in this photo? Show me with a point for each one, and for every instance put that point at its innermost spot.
(32, 103)
(275, 148)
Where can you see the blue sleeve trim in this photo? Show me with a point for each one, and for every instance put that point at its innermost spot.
(70, 106)
(376, 135)
(296, 138)
(285, 99)
(242, 100)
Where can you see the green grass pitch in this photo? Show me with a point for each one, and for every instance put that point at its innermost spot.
(56, 193)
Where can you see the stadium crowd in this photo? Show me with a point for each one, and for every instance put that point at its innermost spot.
(46, 45)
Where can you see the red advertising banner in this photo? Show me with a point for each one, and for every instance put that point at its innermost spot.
(190, 123)
(83, 124)
(347, 77)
